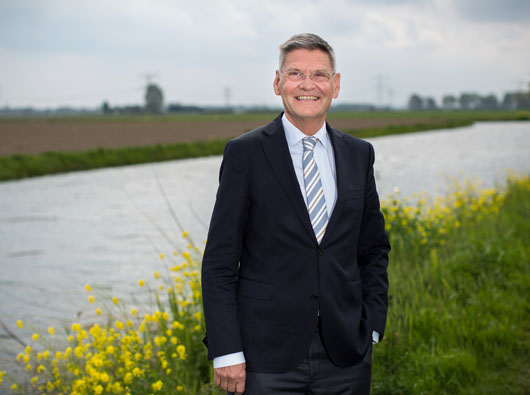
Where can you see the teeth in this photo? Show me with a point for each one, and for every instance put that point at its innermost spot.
(306, 98)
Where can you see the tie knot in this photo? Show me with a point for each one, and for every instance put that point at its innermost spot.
(309, 143)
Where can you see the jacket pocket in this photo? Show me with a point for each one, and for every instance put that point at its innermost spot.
(253, 289)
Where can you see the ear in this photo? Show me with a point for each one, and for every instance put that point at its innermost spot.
(336, 85)
(276, 83)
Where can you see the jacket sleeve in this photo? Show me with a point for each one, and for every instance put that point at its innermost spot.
(373, 248)
(222, 253)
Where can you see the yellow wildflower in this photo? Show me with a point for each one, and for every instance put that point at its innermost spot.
(184, 234)
(115, 300)
(98, 311)
(51, 331)
(98, 390)
(40, 368)
(119, 325)
(157, 386)
(14, 387)
(20, 324)
(91, 299)
(162, 256)
(181, 349)
(34, 380)
(88, 287)
(133, 311)
(45, 354)
(179, 388)
(25, 358)
(35, 337)
(141, 283)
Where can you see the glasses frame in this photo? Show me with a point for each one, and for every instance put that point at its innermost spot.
(303, 75)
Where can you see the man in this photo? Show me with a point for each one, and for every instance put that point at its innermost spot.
(294, 272)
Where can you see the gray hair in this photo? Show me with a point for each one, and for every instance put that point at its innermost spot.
(306, 41)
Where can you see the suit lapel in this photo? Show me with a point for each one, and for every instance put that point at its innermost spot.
(277, 152)
(341, 152)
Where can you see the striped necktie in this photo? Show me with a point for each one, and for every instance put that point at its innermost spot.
(316, 202)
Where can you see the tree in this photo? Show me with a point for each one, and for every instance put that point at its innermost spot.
(449, 102)
(429, 104)
(154, 99)
(489, 102)
(415, 102)
(105, 108)
(469, 101)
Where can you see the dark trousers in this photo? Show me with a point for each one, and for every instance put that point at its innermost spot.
(316, 375)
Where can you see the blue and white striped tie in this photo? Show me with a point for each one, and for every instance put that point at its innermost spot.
(316, 202)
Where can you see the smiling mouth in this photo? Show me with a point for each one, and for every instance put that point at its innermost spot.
(307, 98)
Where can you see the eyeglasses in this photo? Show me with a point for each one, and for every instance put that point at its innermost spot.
(319, 76)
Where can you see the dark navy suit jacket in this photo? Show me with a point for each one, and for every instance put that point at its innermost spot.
(265, 278)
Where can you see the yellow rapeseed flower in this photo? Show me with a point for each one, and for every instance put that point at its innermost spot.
(179, 388)
(157, 386)
(98, 389)
(181, 349)
(156, 275)
(2, 374)
(20, 324)
(34, 380)
(88, 287)
(51, 331)
(91, 299)
(133, 311)
(184, 234)
(45, 354)
(119, 325)
(115, 300)
(141, 283)
(98, 311)
(14, 387)
(35, 337)
(25, 358)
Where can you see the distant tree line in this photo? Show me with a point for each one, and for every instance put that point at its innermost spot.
(472, 101)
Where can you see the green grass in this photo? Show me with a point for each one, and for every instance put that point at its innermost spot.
(21, 165)
(459, 309)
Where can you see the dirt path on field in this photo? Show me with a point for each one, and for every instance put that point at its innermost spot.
(37, 136)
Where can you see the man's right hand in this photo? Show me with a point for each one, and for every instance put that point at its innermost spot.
(231, 378)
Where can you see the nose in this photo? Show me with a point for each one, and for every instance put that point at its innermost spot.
(307, 83)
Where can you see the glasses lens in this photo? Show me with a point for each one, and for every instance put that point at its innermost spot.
(320, 76)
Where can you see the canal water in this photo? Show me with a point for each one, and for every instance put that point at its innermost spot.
(106, 227)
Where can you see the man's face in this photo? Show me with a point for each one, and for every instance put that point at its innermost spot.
(306, 100)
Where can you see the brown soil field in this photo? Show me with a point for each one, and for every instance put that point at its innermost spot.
(37, 136)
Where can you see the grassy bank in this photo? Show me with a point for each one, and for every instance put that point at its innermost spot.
(458, 320)
(459, 273)
(22, 165)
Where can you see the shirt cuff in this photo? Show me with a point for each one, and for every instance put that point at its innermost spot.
(229, 360)
(375, 337)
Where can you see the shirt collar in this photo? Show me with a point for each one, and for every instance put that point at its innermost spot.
(295, 135)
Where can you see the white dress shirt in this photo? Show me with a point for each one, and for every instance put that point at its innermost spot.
(325, 160)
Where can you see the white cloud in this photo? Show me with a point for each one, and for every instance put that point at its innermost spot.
(95, 50)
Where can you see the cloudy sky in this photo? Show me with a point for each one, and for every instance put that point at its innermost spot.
(80, 53)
